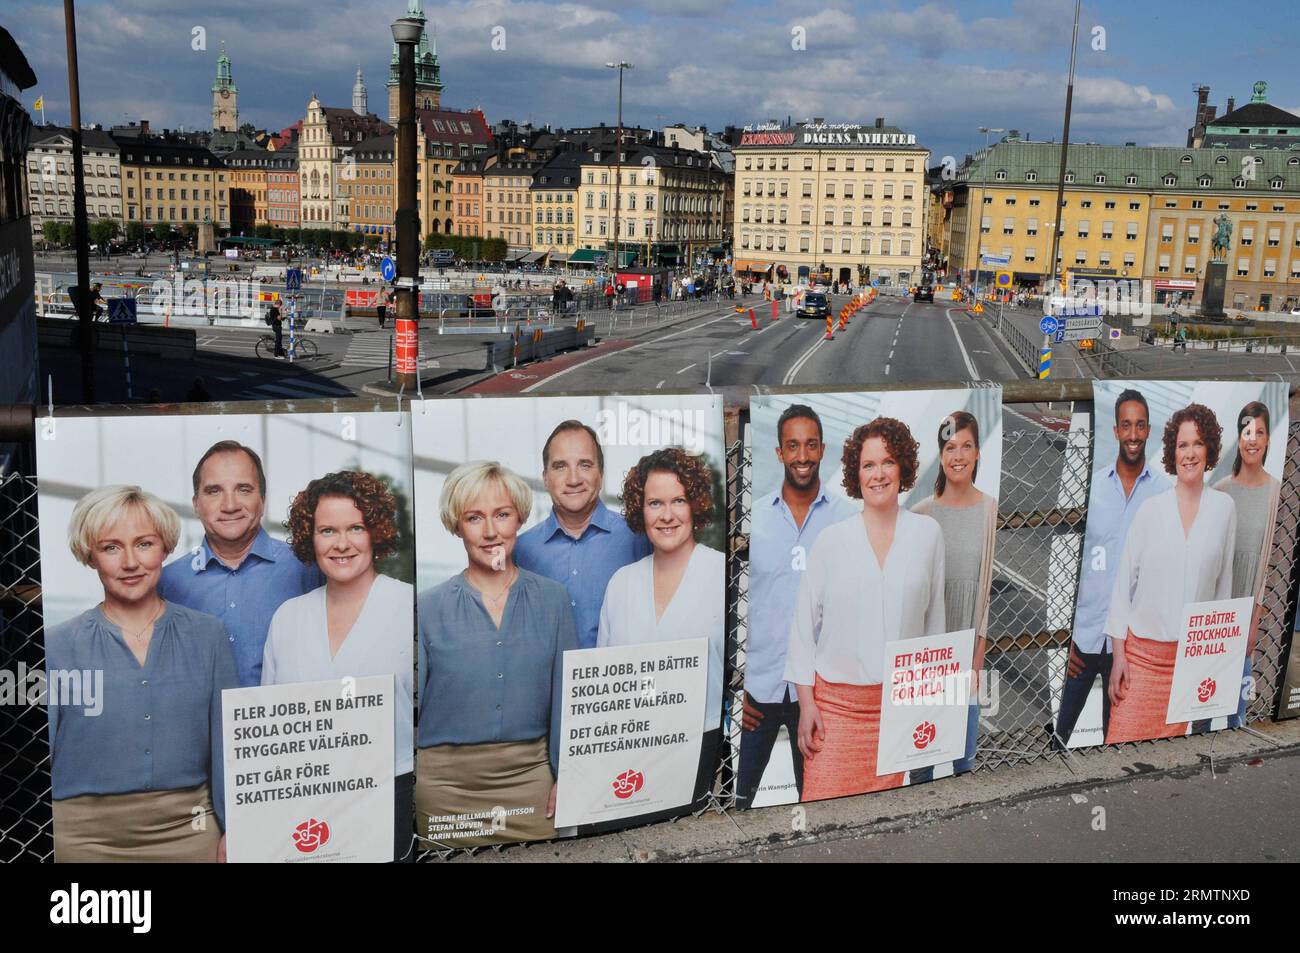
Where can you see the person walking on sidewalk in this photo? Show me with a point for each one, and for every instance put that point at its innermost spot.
(381, 307)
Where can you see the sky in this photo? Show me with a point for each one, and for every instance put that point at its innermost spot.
(938, 69)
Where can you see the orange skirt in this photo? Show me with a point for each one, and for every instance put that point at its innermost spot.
(1141, 714)
(847, 762)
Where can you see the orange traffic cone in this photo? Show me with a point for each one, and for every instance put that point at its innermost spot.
(829, 324)
(753, 321)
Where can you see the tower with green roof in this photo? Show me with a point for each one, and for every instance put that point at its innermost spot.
(428, 85)
(225, 97)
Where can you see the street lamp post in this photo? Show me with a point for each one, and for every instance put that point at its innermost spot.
(979, 225)
(618, 156)
(406, 33)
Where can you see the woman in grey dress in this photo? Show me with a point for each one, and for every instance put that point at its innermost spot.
(968, 519)
(1256, 494)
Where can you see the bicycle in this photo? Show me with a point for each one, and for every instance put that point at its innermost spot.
(304, 348)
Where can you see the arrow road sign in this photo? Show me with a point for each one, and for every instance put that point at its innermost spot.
(387, 269)
(1048, 325)
(1082, 324)
(1080, 334)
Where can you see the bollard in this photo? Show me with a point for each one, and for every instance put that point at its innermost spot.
(774, 310)
(829, 323)
(753, 321)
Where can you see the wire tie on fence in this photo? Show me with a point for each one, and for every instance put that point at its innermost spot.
(712, 803)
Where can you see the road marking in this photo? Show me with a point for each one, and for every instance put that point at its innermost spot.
(797, 366)
(970, 365)
(624, 350)
(891, 355)
(886, 370)
(659, 385)
(686, 368)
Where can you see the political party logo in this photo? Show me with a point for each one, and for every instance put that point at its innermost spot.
(628, 783)
(923, 734)
(1205, 690)
(311, 835)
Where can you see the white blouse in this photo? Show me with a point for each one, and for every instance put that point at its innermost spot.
(696, 611)
(848, 607)
(381, 642)
(1161, 570)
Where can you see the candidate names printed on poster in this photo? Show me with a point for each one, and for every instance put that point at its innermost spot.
(309, 771)
(1211, 655)
(923, 716)
(630, 730)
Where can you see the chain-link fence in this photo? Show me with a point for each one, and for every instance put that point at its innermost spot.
(1042, 511)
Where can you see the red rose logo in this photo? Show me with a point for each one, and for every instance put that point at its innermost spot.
(311, 835)
(628, 783)
(923, 734)
(1205, 690)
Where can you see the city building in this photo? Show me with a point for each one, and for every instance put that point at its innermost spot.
(167, 179)
(50, 182)
(1256, 125)
(839, 198)
(670, 205)
(428, 84)
(1134, 212)
(260, 189)
(444, 137)
(555, 203)
(326, 169)
(467, 196)
(374, 190)
(225, 97)
(507, 204)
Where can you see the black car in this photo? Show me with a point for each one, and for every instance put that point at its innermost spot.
(816, 304)
(924, 293)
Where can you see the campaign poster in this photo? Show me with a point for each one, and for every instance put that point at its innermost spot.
(309, 772)
(630, 730)
(925, 707)
(872, 521)
(187, 555)
(550, 526)
(1182, 507)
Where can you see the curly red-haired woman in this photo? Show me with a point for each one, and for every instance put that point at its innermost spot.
(677, 592)
(360, 622)
(1179, 549)
(870, 580)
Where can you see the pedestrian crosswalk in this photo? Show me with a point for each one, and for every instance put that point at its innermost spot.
(256, 387)
(373, 350)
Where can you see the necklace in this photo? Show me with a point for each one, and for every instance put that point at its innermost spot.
(494, 599)
(139, 635)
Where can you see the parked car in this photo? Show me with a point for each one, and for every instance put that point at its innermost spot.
(816, 304)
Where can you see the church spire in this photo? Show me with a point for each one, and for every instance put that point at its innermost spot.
(360, 98)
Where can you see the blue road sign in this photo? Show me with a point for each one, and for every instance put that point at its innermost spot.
(387, 269)
(875, 283)
(1048, 325)
(121, 311)
(1060, 335)
(293, 279)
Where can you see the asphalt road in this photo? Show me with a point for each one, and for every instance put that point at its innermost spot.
(893, 341)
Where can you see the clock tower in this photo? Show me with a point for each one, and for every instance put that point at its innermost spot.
(428, 84)
(225, 97)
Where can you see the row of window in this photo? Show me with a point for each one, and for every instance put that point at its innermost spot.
(846, 190)
(850, 164)
(1245, 235)
(1099, 178)
(828, 216)
(171, 194)
(170, 215)
(104, 211)
(1083, 228)
(555, 238)
(630, 227)
(48, 165)
(863, 245)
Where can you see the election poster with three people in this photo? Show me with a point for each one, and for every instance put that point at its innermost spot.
(229, 632)
(1182, 508)
(571, 613)
(871, 534)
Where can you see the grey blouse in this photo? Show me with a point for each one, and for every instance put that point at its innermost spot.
(153, 727)
(963, 541)
(1253, 506)
(481, 684)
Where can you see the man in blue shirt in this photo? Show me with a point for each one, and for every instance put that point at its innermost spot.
(238, 573)
(785, 524)
(582, 543)
(1117, 493)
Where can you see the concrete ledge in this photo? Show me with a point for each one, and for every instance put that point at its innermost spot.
(141, 339)
(713, 837)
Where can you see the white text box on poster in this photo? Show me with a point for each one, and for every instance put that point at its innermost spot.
(309, 771)
(924, 703)
(1210, 660)
(630, 729)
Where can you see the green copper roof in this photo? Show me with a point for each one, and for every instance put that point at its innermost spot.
(1149, 167)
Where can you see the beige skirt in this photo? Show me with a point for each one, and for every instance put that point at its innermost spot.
(476, 795)
(142, 827)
